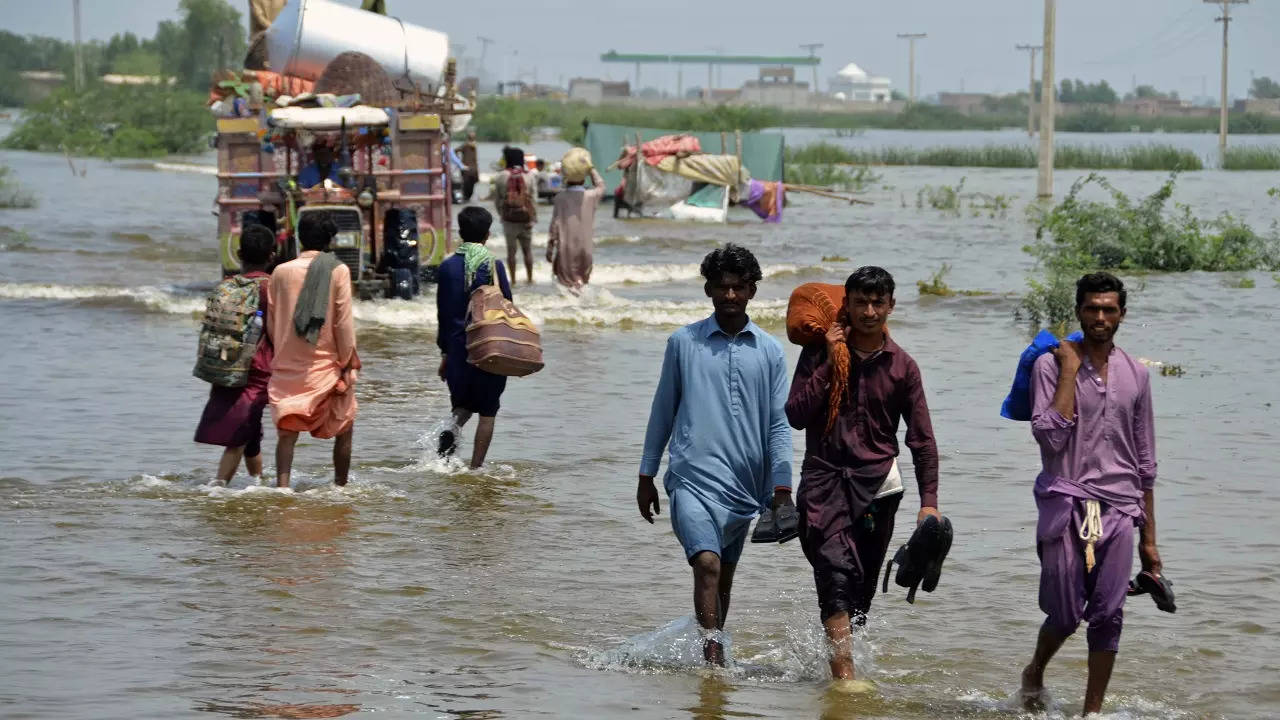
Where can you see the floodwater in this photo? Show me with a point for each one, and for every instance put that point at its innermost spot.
(531, 588)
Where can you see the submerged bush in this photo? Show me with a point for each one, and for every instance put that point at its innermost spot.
(1252, 158)
(1079, 236)
(11, 194)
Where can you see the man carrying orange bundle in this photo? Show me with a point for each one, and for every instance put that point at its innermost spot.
(848, 497)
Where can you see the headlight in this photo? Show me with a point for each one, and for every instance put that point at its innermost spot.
(365, 199)
(346, 240)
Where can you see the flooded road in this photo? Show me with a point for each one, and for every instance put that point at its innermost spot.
(531, 588)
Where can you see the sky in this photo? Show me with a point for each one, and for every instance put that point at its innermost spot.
(1171, 44)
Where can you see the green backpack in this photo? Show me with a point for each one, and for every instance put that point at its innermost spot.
(227, 342)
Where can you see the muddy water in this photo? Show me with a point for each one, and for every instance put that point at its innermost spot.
(531, 588)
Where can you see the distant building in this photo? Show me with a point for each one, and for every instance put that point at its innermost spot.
(854, 84)
(777, 87)
(1260, 106)
(594, 91)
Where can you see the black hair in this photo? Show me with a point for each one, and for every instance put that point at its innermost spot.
(870, 280)
(731, 259)
(316, 230)
(513, 157)
(256, 244)
(1099, 282)
(473, 224)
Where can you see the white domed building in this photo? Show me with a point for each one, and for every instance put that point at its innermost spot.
(856, 85)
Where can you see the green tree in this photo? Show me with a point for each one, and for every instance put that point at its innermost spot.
(1265, 87)
(209, 38)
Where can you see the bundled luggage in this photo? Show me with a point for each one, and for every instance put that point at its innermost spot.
(501, 339)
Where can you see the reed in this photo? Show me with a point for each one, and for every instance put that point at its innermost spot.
(1252, 158)
(1088, 157)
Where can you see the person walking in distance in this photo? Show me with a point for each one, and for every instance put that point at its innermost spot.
(516, 200)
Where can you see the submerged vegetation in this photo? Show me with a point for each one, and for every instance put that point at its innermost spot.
(1252, 158)
(937, 285)
(853, 179)
(1081, 235)
(1134, 157)
(115, 121)
(952, 199)
(11, 194)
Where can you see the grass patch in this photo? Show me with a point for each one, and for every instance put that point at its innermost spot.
(834, 258)
(1252, 158)
(115, 121)
(1134, 157)
(12, 196)
(839, 177)
(937, 285)
(1244, 283)
(1080, 235)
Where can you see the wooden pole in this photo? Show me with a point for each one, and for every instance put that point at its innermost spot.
(1044, 180)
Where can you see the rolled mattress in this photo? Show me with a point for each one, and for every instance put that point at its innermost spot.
(309, 33)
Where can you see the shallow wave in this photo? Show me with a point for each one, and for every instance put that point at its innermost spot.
(595, 307)
(157, 299)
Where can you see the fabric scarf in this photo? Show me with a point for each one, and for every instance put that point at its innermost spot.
(473, 256)
(313, 301)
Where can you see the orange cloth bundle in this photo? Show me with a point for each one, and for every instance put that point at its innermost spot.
(811, 311)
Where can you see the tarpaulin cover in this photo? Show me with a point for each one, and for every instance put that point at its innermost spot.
(761, 152)
(655, 150)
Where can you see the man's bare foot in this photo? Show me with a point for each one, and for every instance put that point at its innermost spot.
(713, 652)
(1031, 694)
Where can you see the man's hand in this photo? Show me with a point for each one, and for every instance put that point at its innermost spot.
(647, 498)
(1150, 558)
(1070, 355)
(927, 512)
(440, 372)
(781, 496)
(836, 335)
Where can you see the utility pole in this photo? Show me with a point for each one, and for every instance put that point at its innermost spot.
(78, 71)
(484, 49)
(1044, 179)
(1031, 88)
(812, 48)
(1222, 110)
(911, 69)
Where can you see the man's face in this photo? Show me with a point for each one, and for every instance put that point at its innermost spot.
(867, 312)
(730, 294)
(1100, 315)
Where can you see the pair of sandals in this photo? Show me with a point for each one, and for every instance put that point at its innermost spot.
(777, 525)
(1158, 586)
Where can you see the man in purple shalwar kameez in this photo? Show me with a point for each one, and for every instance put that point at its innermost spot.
(1092, 417)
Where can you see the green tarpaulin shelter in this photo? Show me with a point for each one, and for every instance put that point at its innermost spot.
(761, 152)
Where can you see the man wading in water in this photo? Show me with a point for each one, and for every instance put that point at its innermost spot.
(314, 335)
(720, 404)
(847, 505)
(1092, 417)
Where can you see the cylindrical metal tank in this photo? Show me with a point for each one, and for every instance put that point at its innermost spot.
(307, 34)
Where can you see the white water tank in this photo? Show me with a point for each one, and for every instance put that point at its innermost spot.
(307, 34)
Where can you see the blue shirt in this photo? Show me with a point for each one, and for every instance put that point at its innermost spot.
(309, 176)
(453, 297)
(721, 404)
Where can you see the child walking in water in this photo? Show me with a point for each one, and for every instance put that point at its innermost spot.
(233, 415)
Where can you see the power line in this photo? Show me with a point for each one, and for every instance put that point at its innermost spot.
(812, 48)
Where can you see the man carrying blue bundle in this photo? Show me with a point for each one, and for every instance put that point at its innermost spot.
(720, 404)
(1092, 417)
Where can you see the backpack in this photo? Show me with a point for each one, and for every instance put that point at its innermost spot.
(223, 357)
(518, 207)
(501, 339)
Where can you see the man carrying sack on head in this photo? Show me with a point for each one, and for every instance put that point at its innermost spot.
(573, 218)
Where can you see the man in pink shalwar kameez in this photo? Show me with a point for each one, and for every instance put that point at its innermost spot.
(313, 375)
